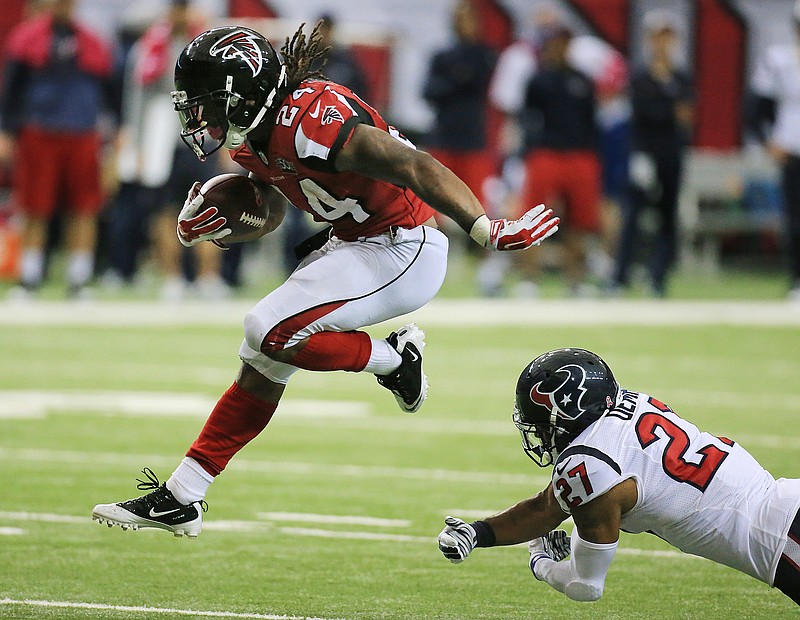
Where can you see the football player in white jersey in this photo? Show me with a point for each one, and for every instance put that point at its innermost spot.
(624, 461)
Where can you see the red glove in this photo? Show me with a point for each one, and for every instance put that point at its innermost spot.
(194, 227)
(531, 229)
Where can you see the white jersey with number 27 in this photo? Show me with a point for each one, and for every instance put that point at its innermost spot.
(705, 495)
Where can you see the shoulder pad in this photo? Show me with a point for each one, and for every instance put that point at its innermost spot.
(321, 121)
(583, 473)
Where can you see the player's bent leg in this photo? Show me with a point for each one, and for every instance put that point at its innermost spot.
(313, 320)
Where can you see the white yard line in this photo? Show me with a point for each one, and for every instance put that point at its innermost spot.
(306, 517)
(16, 404)
(447, 312)
(152, 610)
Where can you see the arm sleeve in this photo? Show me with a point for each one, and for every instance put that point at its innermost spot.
(582, 577)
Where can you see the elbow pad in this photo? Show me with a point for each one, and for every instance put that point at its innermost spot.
(591, 562)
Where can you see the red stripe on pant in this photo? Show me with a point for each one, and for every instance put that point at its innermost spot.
(236, 419)
(323, 351)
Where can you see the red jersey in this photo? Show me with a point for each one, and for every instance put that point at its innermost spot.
(312, 125)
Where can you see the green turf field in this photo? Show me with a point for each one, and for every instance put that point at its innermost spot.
(333, 512)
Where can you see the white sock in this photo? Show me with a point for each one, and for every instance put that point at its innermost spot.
(383, 359)
(32, 267)
(189, 482)
(80, 268)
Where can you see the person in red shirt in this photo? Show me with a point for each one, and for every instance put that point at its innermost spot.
(330, 154)
(56, 85)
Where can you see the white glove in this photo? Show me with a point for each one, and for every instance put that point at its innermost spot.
(194, 227)
(457, 540)
(531, 229)
(554, 546)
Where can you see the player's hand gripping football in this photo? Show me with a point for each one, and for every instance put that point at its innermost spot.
(531, 229)
(195, 225)
(457, 540)
(554, 545)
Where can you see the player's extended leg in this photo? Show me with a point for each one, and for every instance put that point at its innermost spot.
(177, 505)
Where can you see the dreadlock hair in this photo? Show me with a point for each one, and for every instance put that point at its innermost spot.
(299, 54)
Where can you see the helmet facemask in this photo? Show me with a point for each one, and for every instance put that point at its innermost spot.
(221, 118)
(539, 440)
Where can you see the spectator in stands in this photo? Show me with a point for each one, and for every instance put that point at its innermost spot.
(56, 85)
(663, 110)
(608, 69)
(777, 123)
(456, 87)
(341, 65)
(562, 166)
(154, 167)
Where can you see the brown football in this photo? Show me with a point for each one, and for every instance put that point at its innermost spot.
(240, 202)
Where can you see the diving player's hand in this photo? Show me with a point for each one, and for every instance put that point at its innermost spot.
(457, 540)
(195, 226)
(531, 229)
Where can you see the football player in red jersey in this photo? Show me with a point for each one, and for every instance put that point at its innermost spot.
(328, 153)
(624, 461)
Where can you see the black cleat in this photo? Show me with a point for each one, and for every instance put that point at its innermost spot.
(408, 383)
(159, 509)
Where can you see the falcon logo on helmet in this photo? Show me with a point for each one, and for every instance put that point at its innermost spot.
(239, 44)
(563, 398)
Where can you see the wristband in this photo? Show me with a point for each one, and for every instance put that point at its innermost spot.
(484, 534)
(480, 230)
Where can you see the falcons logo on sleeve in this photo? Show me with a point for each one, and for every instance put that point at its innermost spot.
(562, 398)
(239, 44)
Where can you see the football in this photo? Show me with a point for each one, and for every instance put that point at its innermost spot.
(240, 202)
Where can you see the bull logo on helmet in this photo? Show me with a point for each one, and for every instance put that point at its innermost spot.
(567, 396)
(241, 45)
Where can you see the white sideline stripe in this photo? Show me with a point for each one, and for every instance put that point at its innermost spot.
(154, 610)
(15, 404)
(249, 526)
(304, 469)
(306, 517)
(445, 312)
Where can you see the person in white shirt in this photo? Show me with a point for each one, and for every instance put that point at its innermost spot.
(624, 461)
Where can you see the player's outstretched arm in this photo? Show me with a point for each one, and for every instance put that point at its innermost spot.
(376, 154)
(528, 519)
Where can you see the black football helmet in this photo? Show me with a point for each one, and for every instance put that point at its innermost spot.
(226, 80)
(559, 394)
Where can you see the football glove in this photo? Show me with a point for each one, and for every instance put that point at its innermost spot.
(457, 540)
(531, 229)
(554, 546)
(207, 225)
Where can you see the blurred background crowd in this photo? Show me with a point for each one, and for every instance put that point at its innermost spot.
(666, 134)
